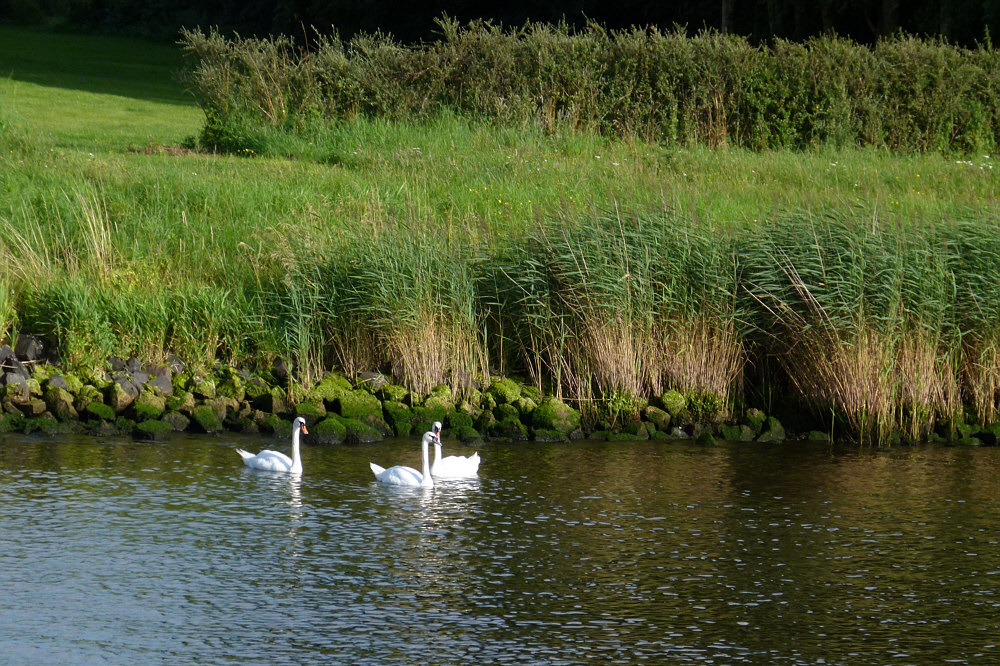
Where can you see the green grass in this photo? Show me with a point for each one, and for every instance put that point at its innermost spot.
(93, 94)
(115, 239)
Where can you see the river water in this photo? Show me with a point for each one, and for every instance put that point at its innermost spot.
(116, 552)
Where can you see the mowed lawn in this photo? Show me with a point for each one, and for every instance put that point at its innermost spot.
(94, 94)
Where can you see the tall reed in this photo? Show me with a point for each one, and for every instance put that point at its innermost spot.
(620, 306)
(859, 316)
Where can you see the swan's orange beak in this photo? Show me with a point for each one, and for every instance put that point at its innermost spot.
(304, 429)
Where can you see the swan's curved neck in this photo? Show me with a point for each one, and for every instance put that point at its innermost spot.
(437, 452)
(427, 480)
(296, 458)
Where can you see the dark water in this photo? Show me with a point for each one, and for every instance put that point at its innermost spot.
(123, 553)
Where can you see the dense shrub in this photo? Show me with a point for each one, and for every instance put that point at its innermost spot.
(905, 93)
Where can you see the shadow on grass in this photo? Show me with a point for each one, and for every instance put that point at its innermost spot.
(92, 63)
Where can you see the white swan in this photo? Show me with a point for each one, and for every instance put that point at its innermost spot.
(406, 476)
(451, 467)
(273, 461)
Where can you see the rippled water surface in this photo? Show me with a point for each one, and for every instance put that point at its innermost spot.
(121, 552)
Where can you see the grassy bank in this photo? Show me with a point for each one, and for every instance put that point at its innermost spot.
(854, 282)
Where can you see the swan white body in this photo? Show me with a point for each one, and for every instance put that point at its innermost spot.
(400, 475)
(275, 461)
(452, 467)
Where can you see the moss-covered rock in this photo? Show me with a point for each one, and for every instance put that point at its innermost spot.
(329, 389)
(357, 404)
(312, 412)
(399, 417)
(736, 433)
(967, 441)
(202, 387)
(377, 422)
(274, 402)
(181, 401)
(152, 430)
(773, 431)
(989, 435)
(223, 407)
(11, 422)
(638, 430)
(393, 393)
(504, 391)
(554, 414)
(73, 383)
(254, 388)
(359, 432)
(272, 423)
(32, 407)
(86, 395)
(100, 411)
(205, 419)
(531, 392)
(542, 435)
(231, 385)
(706, 407)
(510, 428)
(525, 406)
(706, 439)
(485, 422)
(328, 431)
(424, 418)
(506, 411)
(149, 406)
(658, 417)
(818, 436)
(120, 394)
(59, 402)
(440, 398)
(48, 425)
(458, 420)
(34, 387)
(673, 402)
(755, 419)
(466, 434)
(624, 437)
(177, 421)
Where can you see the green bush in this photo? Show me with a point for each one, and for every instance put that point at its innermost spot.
(905, 93)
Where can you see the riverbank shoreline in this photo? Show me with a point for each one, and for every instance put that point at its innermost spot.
(153, 401)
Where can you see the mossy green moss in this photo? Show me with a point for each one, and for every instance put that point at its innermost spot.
(177, 421)
(773, 431)
(359, 432)
(737, 433)
(506, 411)
(330, 388)
(312, 412)
(398, 416)
(504, 391)
(467, 434)
(673, 402)
(510, 428)
(458, 420)
(328, 431)
(357, 404)
(100, 411)
(554, 414)
(440, 398)
(205, 419)
(60, 403)
(152, 430)
(393, 393)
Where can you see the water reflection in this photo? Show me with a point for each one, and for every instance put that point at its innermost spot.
(592, 552)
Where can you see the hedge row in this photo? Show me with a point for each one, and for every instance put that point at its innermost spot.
(904, 93)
